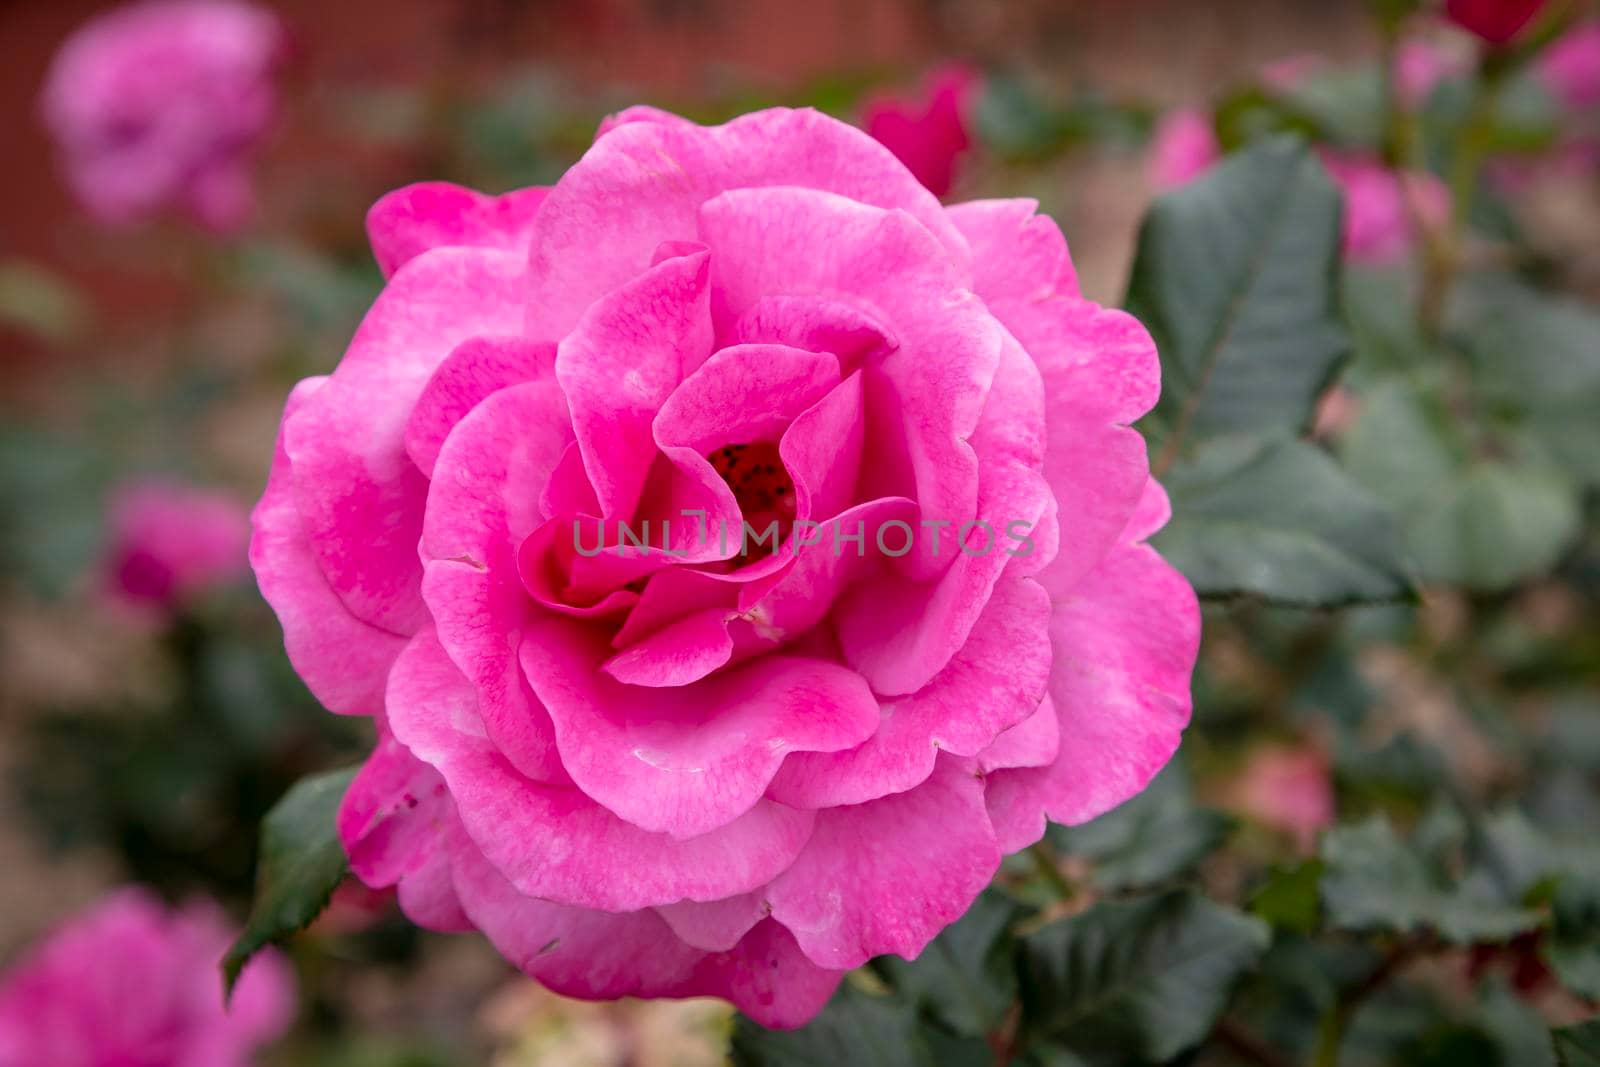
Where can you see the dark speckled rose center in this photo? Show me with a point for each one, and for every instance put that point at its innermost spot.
(760, 483)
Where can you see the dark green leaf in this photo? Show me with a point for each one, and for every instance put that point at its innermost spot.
(854, 1030)
(1578, 1046)
(1376, 882)
(300, 864)
(1515, 1028)
(1138, 979)
(1280, 519)
(1289, 898)
(1235, 277)
(1157, 835)
(965, 977)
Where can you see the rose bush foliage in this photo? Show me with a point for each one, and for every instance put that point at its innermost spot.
(684, 769)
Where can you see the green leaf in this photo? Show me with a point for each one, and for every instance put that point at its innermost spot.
(1479, 522)
(1235, 277)
(1376, 882)
(856, 1029)
(1515, 1028)
(1280, 519)
(965, 977)
(301, 863)
(1578, 1046)
(1289, 898)
(1136, 979)
(1157, 835)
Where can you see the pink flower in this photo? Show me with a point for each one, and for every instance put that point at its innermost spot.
(1496, 21)
(169, 542)
(704, 767)
(1184, 147)
(161, 104)
(1421, 65)
(1382, 209)
(1571, 67)
(1289, 789)
(928, 134)
(132, 984)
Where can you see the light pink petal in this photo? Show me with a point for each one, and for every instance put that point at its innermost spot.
(1017, 254)
(1033, 742)
(888, 875)
(927, 394)
(1125, 643)
(1100, 373)
(623, 359)
(995, 682)
(685, 761)
(1183, 148)
(475, 369)
(768, 977)
(744, 394)
(344, 661)
(715, 925)
(499, 457)
(412, 220)
(642, 183)
(553, 841)
(360, 494)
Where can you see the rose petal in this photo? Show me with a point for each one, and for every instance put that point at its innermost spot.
(412, 220)
(473, 371)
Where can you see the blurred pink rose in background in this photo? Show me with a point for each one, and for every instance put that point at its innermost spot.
(131, 983)
(1184, 147)
(1382, 209)
(168, 542)
(1570, 67)
(1496, 21)
(1420, 65)
(930, 132)
(1289, 789)
(160, 105)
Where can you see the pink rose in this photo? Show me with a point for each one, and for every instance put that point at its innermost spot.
(160, 104)
(132, 984)
(1382, 209)
(170, 542)
(1183, 147)
(1421, 65)
(928, 134)
(689, 769)
(1570, 67)
(1496, 21)
(1288, 789)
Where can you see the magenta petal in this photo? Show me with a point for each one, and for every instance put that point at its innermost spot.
(344, 661)
(1016, 253)
(928, 392)
(1125, 643)
(360, 494)
(816, 323)
(822, 450)
(687, 760)
(744, 394)
(499, 457)
(768, 977)
(642, 182)
(622, 360)
(391, 821)
(554, 842)
(995, 682)
(679, 653)
(474, 370)
(412, 220)
(887, 875)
